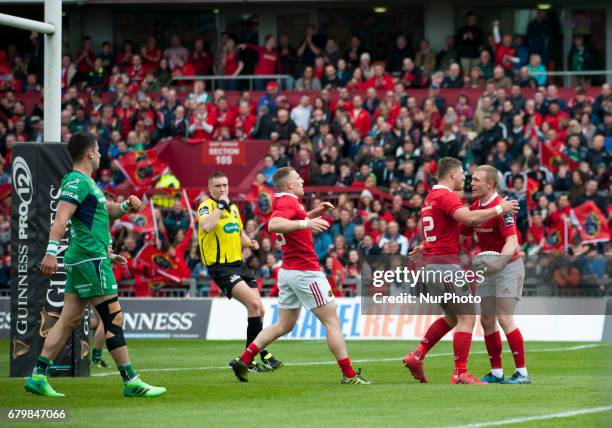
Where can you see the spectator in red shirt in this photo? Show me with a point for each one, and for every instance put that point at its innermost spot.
(245, 120)
(359, 117)
(201, 60)
(182, 69)
(224, 115)
(357, 79)
(268, 62)
(411, 75)
(305, 166)
(84, 60)
(505, 54)
(125, 113)
(246, 96)
(380, 79)
(124, 58)
(136, 71)
(555, 116)
(202, 123)
(319, 67)
(343, 101)
(151, 55)
(232, 64)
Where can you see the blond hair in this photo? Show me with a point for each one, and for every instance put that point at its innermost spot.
(491, 174)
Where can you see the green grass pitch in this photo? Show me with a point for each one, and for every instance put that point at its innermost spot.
(202, 391)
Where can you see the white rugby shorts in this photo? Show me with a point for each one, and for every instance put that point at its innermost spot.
(297, 288)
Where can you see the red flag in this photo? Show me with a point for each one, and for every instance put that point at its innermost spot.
(551, 158)
(141, 222)
(5, 190)
(262, 197)
(591, 223)
(195, 195)
(555, 238)
(174, 269)
(532, 187)
(430, 169)
(141, 168)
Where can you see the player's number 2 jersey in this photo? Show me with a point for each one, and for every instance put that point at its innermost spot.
(440, 230)
(89, 230)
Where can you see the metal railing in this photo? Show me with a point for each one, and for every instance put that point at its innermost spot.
(567, 75)
(186, 289)
(249, 77)
(573, 73)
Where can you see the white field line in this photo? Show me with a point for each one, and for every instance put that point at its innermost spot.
(566, 414)
(372, 360)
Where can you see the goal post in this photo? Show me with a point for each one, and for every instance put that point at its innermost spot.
(37, 301)
(52, 29)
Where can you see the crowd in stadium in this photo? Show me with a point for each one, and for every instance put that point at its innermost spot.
(362, 128)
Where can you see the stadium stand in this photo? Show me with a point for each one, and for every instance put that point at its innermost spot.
(365, 135)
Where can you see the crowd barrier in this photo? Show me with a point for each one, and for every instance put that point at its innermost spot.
(222, 319)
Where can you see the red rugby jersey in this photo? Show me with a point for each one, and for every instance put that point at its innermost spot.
(440, 230)
(492, 233)
(298, 247)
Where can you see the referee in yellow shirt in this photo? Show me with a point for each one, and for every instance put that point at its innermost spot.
(221, 237)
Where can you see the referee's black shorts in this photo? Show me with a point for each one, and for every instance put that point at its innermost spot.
(226, 276)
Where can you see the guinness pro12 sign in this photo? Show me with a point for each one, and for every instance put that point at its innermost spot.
(37, 301)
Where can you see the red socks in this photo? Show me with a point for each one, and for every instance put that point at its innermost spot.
(346, 367)
(515, 340)
(494, 348)
(461, 349)
(436, 331)
(249, 353)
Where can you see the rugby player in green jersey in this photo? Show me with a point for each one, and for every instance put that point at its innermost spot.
(90, 277)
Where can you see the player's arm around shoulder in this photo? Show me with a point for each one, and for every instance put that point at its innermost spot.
(208, 215)
(475, 217)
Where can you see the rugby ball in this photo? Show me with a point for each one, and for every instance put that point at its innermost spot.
(478, 262)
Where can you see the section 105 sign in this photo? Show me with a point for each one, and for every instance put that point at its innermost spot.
(224, 153)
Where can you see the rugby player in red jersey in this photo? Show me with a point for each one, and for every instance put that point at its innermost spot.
(503, 285)
(442, 215)
(300, 280)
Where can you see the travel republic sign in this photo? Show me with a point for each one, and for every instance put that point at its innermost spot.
(37, 301)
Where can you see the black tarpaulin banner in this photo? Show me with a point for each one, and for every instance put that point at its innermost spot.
(37, 301)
